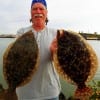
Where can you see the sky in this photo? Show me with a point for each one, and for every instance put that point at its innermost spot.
(75, 15)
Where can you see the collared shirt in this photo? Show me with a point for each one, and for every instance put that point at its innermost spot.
(45, 82)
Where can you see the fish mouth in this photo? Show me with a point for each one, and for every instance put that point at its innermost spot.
(38, 15)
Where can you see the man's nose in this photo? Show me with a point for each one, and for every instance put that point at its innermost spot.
(38, 10)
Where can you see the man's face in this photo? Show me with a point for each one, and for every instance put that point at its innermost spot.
(38, 13)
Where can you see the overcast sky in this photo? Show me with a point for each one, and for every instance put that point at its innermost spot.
(76, 15)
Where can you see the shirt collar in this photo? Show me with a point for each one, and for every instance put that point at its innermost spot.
(33, 30)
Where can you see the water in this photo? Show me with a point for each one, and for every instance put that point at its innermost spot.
(4, 42)
(96, 47)
(67, 88)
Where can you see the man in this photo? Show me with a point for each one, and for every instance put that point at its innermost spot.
(45, 84)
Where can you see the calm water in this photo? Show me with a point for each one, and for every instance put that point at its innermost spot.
(4, 42)
(66, 87)
(96, 46)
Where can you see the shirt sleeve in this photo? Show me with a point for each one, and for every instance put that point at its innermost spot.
(20, 32)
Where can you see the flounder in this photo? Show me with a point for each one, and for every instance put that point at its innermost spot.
(20, 62)
(76, 61)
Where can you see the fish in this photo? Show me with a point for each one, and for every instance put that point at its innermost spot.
(20, 62)
(76, 61)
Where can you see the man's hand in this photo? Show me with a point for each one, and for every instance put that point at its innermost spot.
(53, 46)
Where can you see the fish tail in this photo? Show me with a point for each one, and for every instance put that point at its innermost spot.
(83, 93)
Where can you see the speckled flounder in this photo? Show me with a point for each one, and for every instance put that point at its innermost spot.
(76, 61)
(20, 61)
